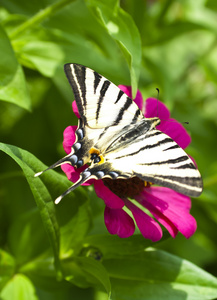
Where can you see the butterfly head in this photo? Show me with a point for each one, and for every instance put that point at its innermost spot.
(154, 122)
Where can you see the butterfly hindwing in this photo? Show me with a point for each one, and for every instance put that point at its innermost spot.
(156, 158)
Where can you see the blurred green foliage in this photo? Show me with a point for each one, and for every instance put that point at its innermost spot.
(65, 252)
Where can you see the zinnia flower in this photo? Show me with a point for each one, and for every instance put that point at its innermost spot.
(127, 201)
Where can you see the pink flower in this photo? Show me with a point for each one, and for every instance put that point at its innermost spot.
(167, 207)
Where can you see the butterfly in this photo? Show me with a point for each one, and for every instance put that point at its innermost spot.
(117, 141)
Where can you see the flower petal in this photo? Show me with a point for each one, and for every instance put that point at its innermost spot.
(171, 127)
(73, 174)
(148, 227)
(69, 138)
(170, 208)
(75, 109)
(118, 222)
(128, 91)
(111, 200)
(155, 108)
(176, 131)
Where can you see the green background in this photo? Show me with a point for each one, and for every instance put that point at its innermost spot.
(65, 251)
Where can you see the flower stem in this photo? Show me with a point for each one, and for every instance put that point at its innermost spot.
(39, 17)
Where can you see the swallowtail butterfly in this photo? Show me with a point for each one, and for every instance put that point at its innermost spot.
(117, 141)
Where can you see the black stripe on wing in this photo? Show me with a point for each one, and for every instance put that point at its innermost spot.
(136, 116)
(80, 72)
(120, 94)
(190, 186)
(127, 104)
(159, 143)
(78, 85)
(186, 166)
(122, 111)
(169, 161)
(176, 146)
(97, 79)
(121, 135)
(131, 133)
(103, 90)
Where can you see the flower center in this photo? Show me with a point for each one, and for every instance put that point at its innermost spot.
(126, 187)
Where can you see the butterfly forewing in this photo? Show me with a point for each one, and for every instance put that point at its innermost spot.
(100, 103)
(105, 110)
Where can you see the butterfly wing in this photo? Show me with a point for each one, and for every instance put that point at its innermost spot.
(156, 158)
(152, 156)
(100, 103)
(105, 111)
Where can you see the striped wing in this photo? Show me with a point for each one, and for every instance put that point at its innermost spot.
(106, 111)
(100, 103)
(156, 158)
(152, 156)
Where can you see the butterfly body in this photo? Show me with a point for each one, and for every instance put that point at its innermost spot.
(117, 141)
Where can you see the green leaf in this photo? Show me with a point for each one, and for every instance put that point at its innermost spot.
(76, 221)
(27, 237)
(12, 81)
(38, 18)
(123, 30)
(73, 39)
(114, 246)
(7, 267)
(211, 4)
(86, 272)
(29, 164)
(43, 56)
(96, 270)
(19, 288)
(155, 274)
(41, 271)
(8, 62)
(73, 214)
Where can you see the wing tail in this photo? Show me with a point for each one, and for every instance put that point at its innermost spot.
(84, 176)
(64, 160)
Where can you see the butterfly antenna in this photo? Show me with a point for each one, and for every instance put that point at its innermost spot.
(63, 160)
(84, 176)
(158, 92)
